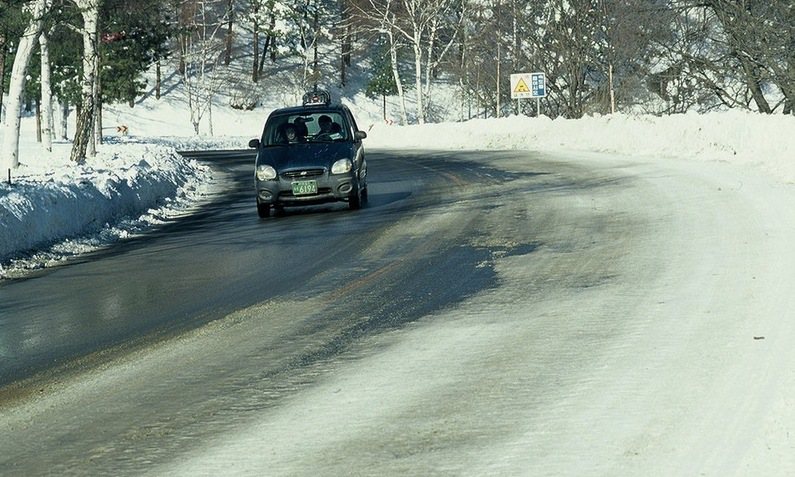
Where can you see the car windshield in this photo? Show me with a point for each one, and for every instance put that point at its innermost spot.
(286, 129)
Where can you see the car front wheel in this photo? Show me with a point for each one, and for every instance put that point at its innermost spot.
(263, 210)
(355, 201)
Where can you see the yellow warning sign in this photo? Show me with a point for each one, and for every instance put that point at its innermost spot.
(521, 87)
(526, 85)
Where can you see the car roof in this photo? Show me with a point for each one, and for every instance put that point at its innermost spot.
(310, 109)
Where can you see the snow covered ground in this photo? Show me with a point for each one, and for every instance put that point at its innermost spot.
(702, 379)
(53, 209)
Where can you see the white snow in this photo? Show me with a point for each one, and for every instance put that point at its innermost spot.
(54, 209)
(696, 374)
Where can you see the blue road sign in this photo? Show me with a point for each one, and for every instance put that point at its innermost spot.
(538, 85)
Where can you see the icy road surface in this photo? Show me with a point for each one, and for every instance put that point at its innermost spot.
(640, 321)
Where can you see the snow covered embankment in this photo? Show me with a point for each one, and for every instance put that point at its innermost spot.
(737, 137)
(125, 182)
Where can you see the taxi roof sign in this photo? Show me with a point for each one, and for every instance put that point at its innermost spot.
(317, 97)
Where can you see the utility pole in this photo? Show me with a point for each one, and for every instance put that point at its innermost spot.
(497, 114)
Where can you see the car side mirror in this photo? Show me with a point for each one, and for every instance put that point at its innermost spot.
(254, 144)
(359, 135)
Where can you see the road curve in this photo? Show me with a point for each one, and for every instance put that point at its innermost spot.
(199, 268)
(488, 313)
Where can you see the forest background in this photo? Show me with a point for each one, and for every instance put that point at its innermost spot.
(599, 56)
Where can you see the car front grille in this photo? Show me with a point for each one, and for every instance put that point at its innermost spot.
(303, 174)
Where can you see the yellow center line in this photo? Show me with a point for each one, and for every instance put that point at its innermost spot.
(362, 281)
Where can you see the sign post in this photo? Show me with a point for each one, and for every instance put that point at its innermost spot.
(538, 87)
(529, 85)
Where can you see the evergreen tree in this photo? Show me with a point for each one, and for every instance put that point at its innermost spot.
(382, 83)
(12, 24)
(133, 36)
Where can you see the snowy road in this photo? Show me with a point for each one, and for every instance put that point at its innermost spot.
(539, 316)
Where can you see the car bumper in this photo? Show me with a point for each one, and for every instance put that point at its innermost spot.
(329, 189)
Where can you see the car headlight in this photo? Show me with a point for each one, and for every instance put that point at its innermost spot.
(342, 166)
(266, 173)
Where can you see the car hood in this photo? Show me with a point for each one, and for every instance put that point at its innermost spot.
(304, 156)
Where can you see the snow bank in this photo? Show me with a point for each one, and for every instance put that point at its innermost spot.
(735, 136)
(125, 188)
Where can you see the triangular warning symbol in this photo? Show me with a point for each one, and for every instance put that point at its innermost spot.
(521, 87)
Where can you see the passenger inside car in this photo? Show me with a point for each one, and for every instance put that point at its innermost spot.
(325, 124)
(291, 134)
(329, 129)
(300, 127)
(288, 134)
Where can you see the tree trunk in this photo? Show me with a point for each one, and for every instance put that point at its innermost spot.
(316, 35)
(497, 108)
(345, 44)
(38, 120)
(158, 80)
(97, 110)
(270, 43)
(754, 84)
(418, 79)
(787, 85)
(231, 13)
(2, 72)
(429, 63)
(184, 21)
(265, 47)
(46, 93)
(10, 150)
(343, 73)
(256, 67)
(85, 118)
(83, 129)
(65, 121)
(396, 74)
(210, 118)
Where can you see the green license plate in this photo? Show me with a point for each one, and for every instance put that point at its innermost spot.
(304, 187)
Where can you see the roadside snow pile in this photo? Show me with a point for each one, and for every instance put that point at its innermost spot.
(124, 188)
(735, 136)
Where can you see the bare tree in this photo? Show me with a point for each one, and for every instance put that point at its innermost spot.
(479, 36)
(422, 26)
(305, 17)
(261, 13)
(230, 20)
(3, 55)
(564, 42)
(740, 51)
(46, 94)
(10, 153)
(380, 17)
(428, 27)
(269, 46)
(201, 51)
(255, 20)
(85, 140)
(345, 31)
(761, 36)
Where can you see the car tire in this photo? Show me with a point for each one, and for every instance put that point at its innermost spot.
(263, 210)
(355, 201)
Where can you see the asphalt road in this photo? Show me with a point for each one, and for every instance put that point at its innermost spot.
(489, 313)
(224, 258)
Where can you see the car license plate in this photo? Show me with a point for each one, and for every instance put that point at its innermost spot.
(304, 187)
